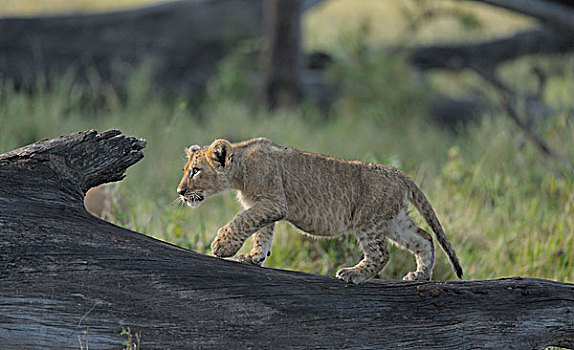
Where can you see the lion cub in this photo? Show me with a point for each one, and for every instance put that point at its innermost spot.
(320, 195)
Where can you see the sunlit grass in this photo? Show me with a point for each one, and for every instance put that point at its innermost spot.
(506, 209)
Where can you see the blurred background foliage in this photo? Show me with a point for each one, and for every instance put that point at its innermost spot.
(506, 209)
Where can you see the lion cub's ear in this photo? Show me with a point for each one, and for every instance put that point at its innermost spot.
(189, 151)
(220, 154)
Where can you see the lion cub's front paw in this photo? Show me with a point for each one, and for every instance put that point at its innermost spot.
(352, 274)
(225, 244)
(249, 259)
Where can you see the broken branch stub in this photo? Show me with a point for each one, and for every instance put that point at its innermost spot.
(69, 164)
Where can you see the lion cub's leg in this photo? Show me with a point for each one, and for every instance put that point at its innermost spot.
(376, 257)
(232, 236)
(405, 233)
(262, 241)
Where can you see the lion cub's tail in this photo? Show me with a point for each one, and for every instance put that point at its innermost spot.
(420, 201)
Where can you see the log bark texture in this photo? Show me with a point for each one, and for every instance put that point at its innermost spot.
(65, 274)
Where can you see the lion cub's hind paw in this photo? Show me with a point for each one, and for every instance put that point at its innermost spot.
(352, 275)
(416, 276)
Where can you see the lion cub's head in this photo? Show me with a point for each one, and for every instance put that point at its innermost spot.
(206, 172)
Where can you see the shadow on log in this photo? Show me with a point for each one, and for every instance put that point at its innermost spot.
(64, 272)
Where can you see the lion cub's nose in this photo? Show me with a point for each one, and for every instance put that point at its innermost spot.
(181, 191)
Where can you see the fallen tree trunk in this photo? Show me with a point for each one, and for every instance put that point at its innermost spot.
(67, 277)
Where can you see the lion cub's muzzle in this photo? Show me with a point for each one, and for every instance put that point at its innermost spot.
(192, 199)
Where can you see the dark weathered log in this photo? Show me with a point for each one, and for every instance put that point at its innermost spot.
(488, 55)
(65, 274)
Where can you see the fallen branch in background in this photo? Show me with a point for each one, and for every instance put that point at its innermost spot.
(508, 96)
(555, 13)
(488, 55)
(181, 43)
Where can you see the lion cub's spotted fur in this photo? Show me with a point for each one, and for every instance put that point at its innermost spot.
(320, 195)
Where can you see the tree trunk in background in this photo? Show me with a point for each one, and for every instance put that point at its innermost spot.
(282, 87)
(68, 277)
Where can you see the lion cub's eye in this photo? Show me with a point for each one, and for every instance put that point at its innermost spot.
(194, 171)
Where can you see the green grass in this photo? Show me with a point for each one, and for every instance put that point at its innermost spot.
(506, 209)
